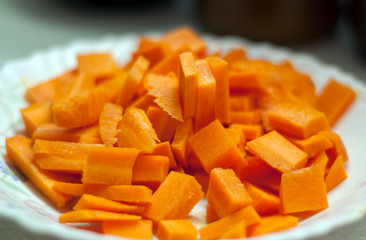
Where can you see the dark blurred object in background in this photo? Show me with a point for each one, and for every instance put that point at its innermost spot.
(278, 21)
(357, 17)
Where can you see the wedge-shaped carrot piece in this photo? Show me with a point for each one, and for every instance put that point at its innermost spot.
(19, 152)
(226, 192)
(271, 181)
(264, 202)
(179, 144)
(206, 95)
(238, 138)
(238, 230)
(243, 102)
(270, 224)
(87, 215)
(297, 120)
(136, 131)
(61, 164)
(250, 131)
(254, 170)
(133, 229)
(216, 229)
(214, 147)
(184, 35)
(165, 149)
(235, 55)
(338, 148)
(113, 84)
(74, 189)
(188, 80)
(67, 88)
(321, 159)
(108, 122)
(165, 89)
(97, 64)
(80, 110)
(144, 102)
(303, 190)
(248, 80)
(150, 170)
(90, 139)
(180, 229)
(336, 174)
(109, 165)
(245, 118)
(91, 202)
(202, 178)
(36, 115)
(151, 50)
(278, 152)
(170, 200)
(41, 92)
(211, 215)
(334, 99)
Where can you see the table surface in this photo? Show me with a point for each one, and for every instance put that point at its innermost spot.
(27, 26)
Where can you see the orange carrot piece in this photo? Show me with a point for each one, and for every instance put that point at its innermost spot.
(170, 200)
(303, 190)
(219, 69)
(97, 64)
(245, 118)
(226, 193)
(108, 122)
(179, 144)
(188, 81)
(136, 131)
(250, 131)
(235, 55)
(151, 50)
(244, 81)
(143, 102)
(109, 165)
(278, 152)
(36, 115)
(180, 229)
(242, 102)
(91, 202)
(19, 152)
(271, 181)
(214, 147)
(238, 230)
(80, 110)
(206, 92)
(211, 215)
(274, 223)
(74, 189)
(202, 178)
(334, 100)
(62, 149)
(61, 164)
(165, 89)
(87, 215)
(320, 159)
(337, 174)
(165, 149)
(132, 82)
(264, 202)
(68, 88)
(150, 170)
(113, 85)
(254, 170)
(132, 229)
(193, 162)
(338, 148)
(238, 138)
(90, 139)
(41, 92)
(297, 120)
(215, 229)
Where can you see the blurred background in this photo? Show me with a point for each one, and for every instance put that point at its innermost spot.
(334, 31)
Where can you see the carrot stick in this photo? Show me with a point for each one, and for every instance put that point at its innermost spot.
(108, 122)
(86, 215)
(181, 229)
(135, 229)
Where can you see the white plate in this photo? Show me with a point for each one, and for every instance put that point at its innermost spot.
(20, 201)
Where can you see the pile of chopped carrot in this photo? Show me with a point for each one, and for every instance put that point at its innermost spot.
(136, 147)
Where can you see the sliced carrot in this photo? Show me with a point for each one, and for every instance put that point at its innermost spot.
(238, 138)
(254, 170)
(271, 181)
(211, 215)
(278, 152)
(250, 131)
(170, 200)
(238, 230)
(320, 159)
(274, 223)
(338, 148)
(202, 178)
(245, 118)
(62, 149)
(235, 55)
(68, 88)
(336, 174)
(243, 102)
(108, 122)
(179, 144)
(74, 189)
(87, 215)
(152, 50)
(61, 164)
(42, 92)
(180, 229)
(264, 202)
(97, 64)
(109, 165)
(165, 149)
(334, 99)
(143, 102)
(114, 84)
(36, 115)
(135, 229)
(90, 139)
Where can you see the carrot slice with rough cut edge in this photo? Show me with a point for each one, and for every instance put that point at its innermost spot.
(97, 64)
(170, 200)
(297, 120)
(179, 144)
(113, 85)
(320, 159)
(243, 102)
(334, 100)
(133, 229)
(215, 229)
(35, 115)
(336, 175)
(188, 80)
(165, 89)
(152, 50)
(238, 230)
(109, 165)
(246, 118)
(278, 152)
(165, 149)
(143, 102)
(238, 138)
(136, 131)
(87, 215)
(214, 147)
(19, 152)
(219, 69)
(184, 35)
(80, 110)
(108, 122)
(338, 148)
(303, 190)
(254, 170)
(179, 229)
(270, 224)
(226, 193)
(250, 131)
(150, 170)
(206, 92)
(264, 202)
(211, 215)
(91, 202)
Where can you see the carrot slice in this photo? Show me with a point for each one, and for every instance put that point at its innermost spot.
(254, 170)
(238, 138)
(108, 121)
(278, 152)
(143, 102)
(321, 159)
(202, 178)
(36, 115)
(245, 118)
(336, 174)
(97, 64)
(151, 50)
(87, 215)
(274, 223)
(180, 229)
(211, 215)
(250, 131)
(338, 148)
(113, 85)
(242, 102)
(135, 229)
(238, 230)
(264, 202)
(235, 55)
(165, 149)
(179, 144)
(68, 88)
